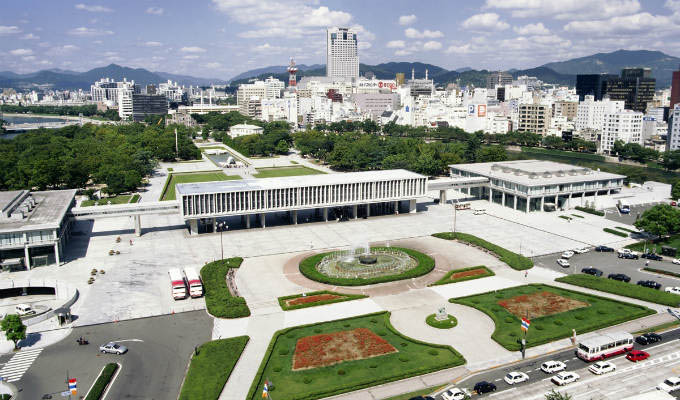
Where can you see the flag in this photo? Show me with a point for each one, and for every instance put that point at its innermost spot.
(72, 386)
(265, 391)
(525, 324)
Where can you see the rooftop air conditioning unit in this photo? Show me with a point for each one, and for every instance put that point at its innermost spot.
(560, 173)
(547, 175)
(495, 167)
(533, 175)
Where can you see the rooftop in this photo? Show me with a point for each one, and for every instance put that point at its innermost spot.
(50, 208)
(536, 172)
(294, 181)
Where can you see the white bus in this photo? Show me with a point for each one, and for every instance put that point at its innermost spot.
(601, 346)
(179, 285)
(194, 281)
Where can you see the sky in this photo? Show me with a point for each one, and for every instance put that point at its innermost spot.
(221, 38)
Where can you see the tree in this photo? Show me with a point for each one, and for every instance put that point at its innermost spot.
(491, 153)
(14, 329)
(675, 190)
(2, 128)
(555, 395)
(671, 160)
(660, 220)
(618, 148)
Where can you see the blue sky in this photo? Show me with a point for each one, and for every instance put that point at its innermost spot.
(221, 38)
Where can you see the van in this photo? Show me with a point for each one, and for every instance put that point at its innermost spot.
(24, 309)
(479, 212)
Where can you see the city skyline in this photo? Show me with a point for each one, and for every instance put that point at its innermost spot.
(221, 38)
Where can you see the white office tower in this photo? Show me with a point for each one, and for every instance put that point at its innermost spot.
(625, 125)
(590, 113)
(270, 88)
(674, 129)
(342, 57)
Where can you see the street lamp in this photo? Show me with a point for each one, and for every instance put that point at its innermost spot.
(222, 226)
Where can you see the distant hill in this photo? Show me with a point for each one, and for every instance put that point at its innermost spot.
(274, 69)
(662, 64)
(187, 80)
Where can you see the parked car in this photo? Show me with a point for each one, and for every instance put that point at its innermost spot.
(563, 263)
(676, 261)
(113, 348)
(605, 249)
(673, 289)
(602, 367)
(648, 338)
(650, 284)
(637, 355)
(456, 394)
(619, 277)
(652, 256)
(565, 378)
(581, 250)
(568, 254)
(629, 256)
(553, 366)
(24, 309)
(669, 385)
(592, 271)
(515, 377)
(673, 203)
(484, 387)
(621, 252)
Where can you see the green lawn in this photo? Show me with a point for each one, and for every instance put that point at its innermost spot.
(218, 300)
(192, 177)
(103, 380)
(413, 358)
(210, 369)
(615, 232)
(278, 172)
(121, 199)
(345, 297)
(600, 312)
(673, 241)
(448, 323)
(622, 288)
(447, 278)
(514, 260)
(425, 265)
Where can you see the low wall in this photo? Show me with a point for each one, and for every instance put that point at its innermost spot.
(64, 292)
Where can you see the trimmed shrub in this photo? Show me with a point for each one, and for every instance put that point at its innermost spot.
(622, 289)
(344, 297)
(102, 382)
(218, 299)
(590, 211)
(447, 278)
(615, 232)
(514, 260)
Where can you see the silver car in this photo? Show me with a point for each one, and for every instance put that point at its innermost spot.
(113, 348)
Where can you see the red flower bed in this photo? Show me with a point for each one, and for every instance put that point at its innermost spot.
(333, 348)
(540, 304)
(312, 299)
(472, 272)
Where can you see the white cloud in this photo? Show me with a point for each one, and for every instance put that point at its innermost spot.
(9, 30)
(21, 52)
(190, 57)
(463, 49)
(565, 9)
(155, 10)
(426, 34)
(485, 22)
(396, 44)
(407, 19)
(213, 65)
(153, 44)
(629, 24)
(432, 45)
(92, 8)
(362, 33)
(192, 49)
(364, 45)
(62, 50)
(30, 36)
(28, 58)
(83, 31)
(402, 52)
(532, 29)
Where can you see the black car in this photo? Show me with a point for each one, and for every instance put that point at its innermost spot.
(648, 338)
(650, 284)
(652, 256)
(592, 271)
(604, 249)
(619, 277)
(629, 256)
(484, 387)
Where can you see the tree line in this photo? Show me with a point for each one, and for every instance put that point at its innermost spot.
(89, 110)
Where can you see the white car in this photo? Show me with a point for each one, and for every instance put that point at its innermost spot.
(563, 263)
(24, 309)
(515, 377)
(568, 254)
(553, 366)
(628, 251)
(669, 385)
(581, 250)
(602, 367)
(113, 348)
(672, 289)
(565, 378)
(676, 261)
(456, 394)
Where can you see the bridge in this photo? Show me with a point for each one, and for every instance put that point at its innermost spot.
(455, 183)
(135, 210)
(11, 128)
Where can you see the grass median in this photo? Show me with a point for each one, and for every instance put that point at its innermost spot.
(210, 369)
(278, 172)
(313, 299)
(192, 177)
(622, 289)
(102, 382)
(218, 299)
(464, 274)
(615, 232)
(514, 260)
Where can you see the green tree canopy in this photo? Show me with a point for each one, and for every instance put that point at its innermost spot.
(555, 395)
(675, 190)
(660, 220)
(14, 328)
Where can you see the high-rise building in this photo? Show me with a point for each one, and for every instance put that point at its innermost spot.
(592, 85)
(108, 91)
(675, 89)
(270, 88)
(635, 86)
(342, 56)
(624, 125)
(498, 78)
(673, 139)
(534, 118)
(148, 104)
(590, 113)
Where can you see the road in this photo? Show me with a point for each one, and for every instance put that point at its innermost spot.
(153, 368)
(628, 379)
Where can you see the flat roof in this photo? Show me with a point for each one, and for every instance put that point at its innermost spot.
(536, 172)
(294, 181)
(51, 207)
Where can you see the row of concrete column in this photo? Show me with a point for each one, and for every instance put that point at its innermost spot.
(27, 255)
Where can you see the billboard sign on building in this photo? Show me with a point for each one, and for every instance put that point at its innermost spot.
(481, 110)
(376, 84)
(471, 109)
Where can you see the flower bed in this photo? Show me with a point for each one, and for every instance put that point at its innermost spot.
(540, 304)
(313, 299)
(464, 274)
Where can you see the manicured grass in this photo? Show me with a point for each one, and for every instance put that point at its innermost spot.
(566, 217)
(672, 241)
(564, 154)
(615, 232)
(600, 313)
(345, 297)
(121, 199)
(102, 382)
(210, 369)
(447, 278)
(578, 216)
(625, 229)
(590, 211)
(218, 299)
(514, 260)
(425, 265)
(413, 358)
(622, 288)
(444, 324)
(278, 172)
(663, 272)
(192, 177)
(135, 198)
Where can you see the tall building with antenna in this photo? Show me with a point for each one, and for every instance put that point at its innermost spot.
(292, 72)
(342, 57)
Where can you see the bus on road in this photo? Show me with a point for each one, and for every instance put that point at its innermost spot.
(179, 285)
(194, 281)
(601, 346)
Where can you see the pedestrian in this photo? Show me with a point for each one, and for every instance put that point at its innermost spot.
(526, 273)
(647, 263)
(130, 242)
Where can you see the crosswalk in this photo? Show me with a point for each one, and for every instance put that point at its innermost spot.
(19, 364)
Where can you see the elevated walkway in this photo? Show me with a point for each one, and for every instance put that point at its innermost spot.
(125, 210)
(454, 183)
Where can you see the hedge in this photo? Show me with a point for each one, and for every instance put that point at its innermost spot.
(218, 299)
(661, 271)
(622, 289)
(578, 216)
(346, 297)
(565, 217)
(590, 211)
(625, 229)
(448, 323)
(447, 278)
(615, 232)
(425, 266)
(514, 260)
(102, 382)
